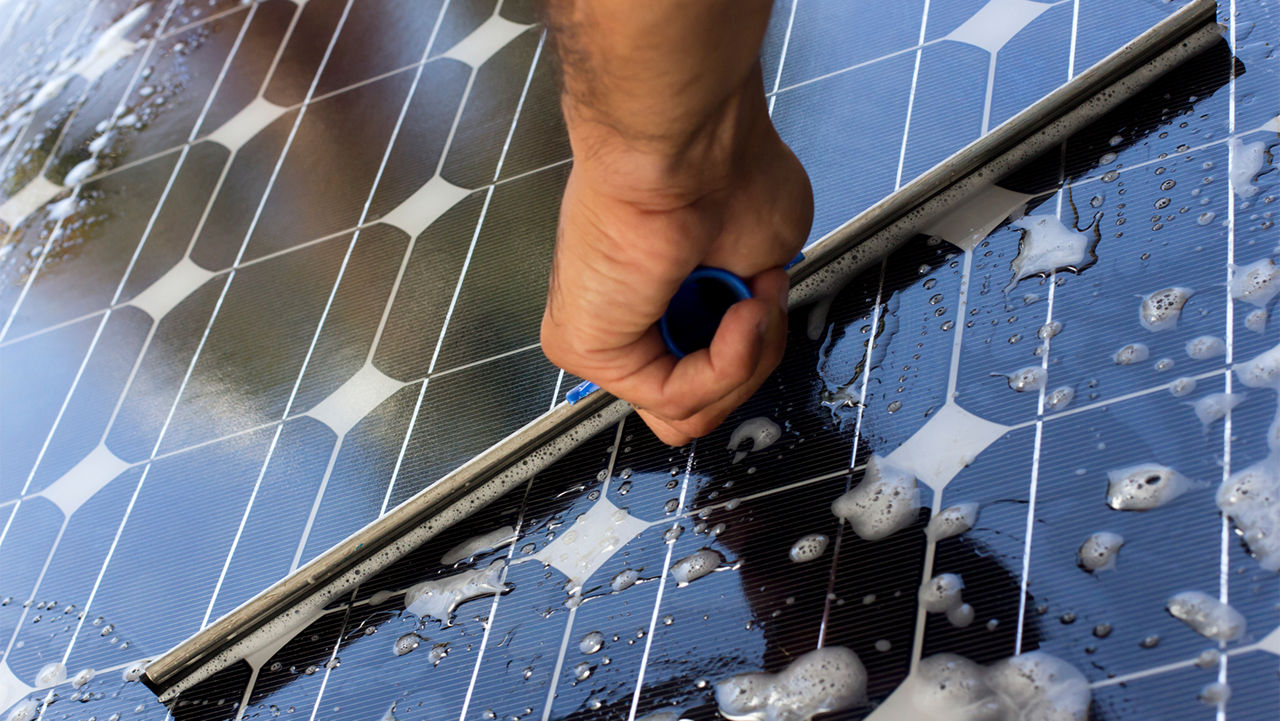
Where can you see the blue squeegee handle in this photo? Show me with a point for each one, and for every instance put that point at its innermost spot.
(693, 314)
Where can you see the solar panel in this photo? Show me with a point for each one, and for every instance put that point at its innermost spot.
(265, 278)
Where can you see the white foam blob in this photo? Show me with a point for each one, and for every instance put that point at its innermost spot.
(1262, 371)
(27, 710)
(51, 674)
(1251, 498)
(1031, 378)
(438, 598)
(1059, 398)
(1215, 693)
(960, 616)
(82, 678)
(1144, 487)
(624, 579)
(1205, 347)
(80, 172)
(941, 593)
(1130, 354)
(133, 673)
(1255, 283)
(666, 714)
(823, 680)
(591, 643)
(406, 643)
(496, 538)
(1161, 309)
(1182, 387)
(1247, 160)
(1256, 321)
(762, 431)
(808, 548)
(1047, 245)
(1206, 615)
(952, 521)
(1029, 687)
(695, 566)
(1099, 551)
(1215, 406)
(885, 502)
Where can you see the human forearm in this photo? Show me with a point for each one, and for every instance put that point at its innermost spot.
(670, 89)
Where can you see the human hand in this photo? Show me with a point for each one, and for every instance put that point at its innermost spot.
(635, 220)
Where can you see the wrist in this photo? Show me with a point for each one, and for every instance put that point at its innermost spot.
(672, 161)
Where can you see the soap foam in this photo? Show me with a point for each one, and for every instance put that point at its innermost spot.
(941, 593)
(1099, 551)
(695, 566)
(1130, 354)
(624, 579)
(51, 674)
(1031, 378)
(1205, 347)
(1182, 387)
(1059, 398)
(1160, 310)
(885, 502)
(823, 680)
(808, 548)
(1029, 687)
(438, 598)
(1046, 246)
(952, 521)
(1215, 406)
(1144, 487)
(1206, 615)
(1255, 283)
(494, 539)
(1256, 321)
(762, 431)
(1251, 498)
(591, 643)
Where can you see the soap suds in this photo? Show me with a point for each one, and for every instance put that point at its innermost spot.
(952, 521)
(1029, 687)
(1256, 321)
(1046, 246)
(591, 643)
(624, 579)
(1215, 406)
(1205, 347)
(1059, 398)
(1130, 354)
(808, 548)
(1099, 551)
(961, 615)
(1144, 487)
(1255, 283)
(1182, 387)
(941, 593)
(474, 545)
(439, 598)
(1251, 499)
(51, 674)
(762, 431)
(1031, 378)
(1161, 309)
(1215, 694)
(823, 680)
(885, 502)
(695, 566)
(1206, 615)
(1247, 160)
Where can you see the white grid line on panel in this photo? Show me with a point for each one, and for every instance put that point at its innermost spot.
(782, 54)
(662, 587)
(1224, 553)
(493, 608)
(911, 98)
(56, 233)
(208, 326)
(876, 309)
(573, 610)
